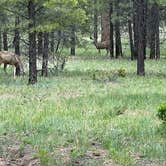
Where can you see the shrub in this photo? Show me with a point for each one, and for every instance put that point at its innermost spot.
(162, 112)
(122, 72)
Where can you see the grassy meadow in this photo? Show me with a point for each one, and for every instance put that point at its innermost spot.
(72, 119)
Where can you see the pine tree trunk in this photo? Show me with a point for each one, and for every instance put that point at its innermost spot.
(157, 32)
(135, 28)
(52, 43)
(32, 43)
(40, 44)
(131, 39)
(154, 32)
(5, 41)
(117, 32)
(111, 32)
(45, 55)
(141, 22)
(95, 22)
(0, 40)
(118, 40)
(17, 41)
(145, 26)
(73, 41)
(58, 40)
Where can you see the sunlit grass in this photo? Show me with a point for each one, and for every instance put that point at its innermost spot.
(72, 109)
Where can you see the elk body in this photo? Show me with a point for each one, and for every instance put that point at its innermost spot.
(102, 45)
(9, 58)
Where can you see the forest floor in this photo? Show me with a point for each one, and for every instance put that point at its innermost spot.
(84, 116)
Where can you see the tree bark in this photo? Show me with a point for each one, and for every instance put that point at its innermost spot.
(0, 40)
(157, 32)
(58, 40)
(131, 39)
(73, 41)
(95, 22)
(154, 32)
(111, 31)
(40, 44)
(145, 26)
(5, 41)
(141, 22)
(32, 43)
(135, 28)
(45, 55)
(52, 43)
(16, 41)
(117, 32)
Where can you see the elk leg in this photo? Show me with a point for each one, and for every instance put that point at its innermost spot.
(5, 66)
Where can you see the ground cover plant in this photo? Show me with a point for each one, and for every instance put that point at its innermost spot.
(72, 119)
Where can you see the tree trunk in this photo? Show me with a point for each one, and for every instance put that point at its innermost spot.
(73, 41)
(111, 32)
(141, 22)
(52, 43)
(145, 26)
(58, 40)
(32, 43)
(118, 40)
(40, 44)
(95, 22)
(135, 28)
(157, 32)
(154, 32)
(0, 40)
(16, 41)
(5, 41)
(131, 39)
(45, 55)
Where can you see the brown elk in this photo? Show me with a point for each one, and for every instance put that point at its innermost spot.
(9, 58)
(102, 45)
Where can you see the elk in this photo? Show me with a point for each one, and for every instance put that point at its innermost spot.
(102, 45)
(9, 58)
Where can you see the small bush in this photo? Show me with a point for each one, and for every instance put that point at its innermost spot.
(162, 112)
(122, 72)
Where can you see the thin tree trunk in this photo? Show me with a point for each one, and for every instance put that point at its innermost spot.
(40, 44)
(131, 39)
(157, 32)
(154, 32)
(52, 43)
(111, 32)
(135, 28)
(0, 40)
(59, 40)
(141, 22)
(17, 41)
(73, 41)
(45, 55)
(32, 43)
(95, 22)
(145, 26)
(117, 32)
(5, 41)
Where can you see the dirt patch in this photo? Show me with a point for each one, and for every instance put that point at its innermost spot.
(141, 160)
(96, 156)
(13, 154)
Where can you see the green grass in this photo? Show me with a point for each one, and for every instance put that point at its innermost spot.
(73, 110)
